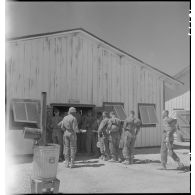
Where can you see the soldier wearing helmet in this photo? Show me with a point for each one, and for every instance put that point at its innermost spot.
(70, 126)
(169, 127)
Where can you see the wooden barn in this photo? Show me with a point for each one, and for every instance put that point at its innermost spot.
(77, 68)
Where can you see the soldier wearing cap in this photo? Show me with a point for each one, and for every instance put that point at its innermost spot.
(114, 128)
(103, 137)
(57, 133)
(70, 126)
(169, 128)
(130, 130)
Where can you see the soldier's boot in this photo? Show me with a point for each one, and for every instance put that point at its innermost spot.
(126, 162)
(113, 159)
(131, 159)
(101, 157)
(66, 163)
(164, 167)
(106, 158)
(66, 156)
(180, 165)
(119, 160)
(72, 163)
(73, 153)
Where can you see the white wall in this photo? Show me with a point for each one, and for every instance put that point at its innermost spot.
(182, 101)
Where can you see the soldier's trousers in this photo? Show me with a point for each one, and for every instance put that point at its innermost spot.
(70, 145)
(91, 143)
(128, 145)
(167, 149)
(57, 137)
(114, 139)
(104, 146)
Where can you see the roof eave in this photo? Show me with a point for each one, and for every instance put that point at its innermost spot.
(166, 77)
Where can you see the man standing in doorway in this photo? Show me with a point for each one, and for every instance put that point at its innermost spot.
(130, 127)
(57, 133)
(90, 135)
(169, 127)
(103, 137)
(70, 125)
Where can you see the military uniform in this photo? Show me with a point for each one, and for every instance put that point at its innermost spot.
(169, 127)
(57, 133)
(114, 127)
(70, 125)
(128, 138)
(104, 139)
(48, 127)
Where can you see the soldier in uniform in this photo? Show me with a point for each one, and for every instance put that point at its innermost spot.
(70, 126)
(137, 123)
(48, 125)
(103, 137)
(129, 137)
(90, 135)
(57, 133)
(114, 128)
(169, 127)
(98, 121)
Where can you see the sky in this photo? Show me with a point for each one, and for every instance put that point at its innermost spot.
(155, 32)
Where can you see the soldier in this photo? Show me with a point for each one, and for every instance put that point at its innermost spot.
(169, 128)
(114, 128)
(103, 137)
(90, 135)
(57, 133)
(137, 123)
(48, 126)
(98, 121)
(70, 126)
(129, 137)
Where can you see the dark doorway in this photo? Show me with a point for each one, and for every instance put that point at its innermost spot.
(82, 110)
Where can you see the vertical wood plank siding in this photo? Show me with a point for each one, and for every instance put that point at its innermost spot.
(74, 67)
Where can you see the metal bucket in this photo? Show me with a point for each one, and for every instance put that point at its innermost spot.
(45, 161)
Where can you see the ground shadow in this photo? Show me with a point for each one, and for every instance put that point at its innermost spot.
(95, 161)
(156, 150)
(89, 165)
(145, 161)
(182, 170)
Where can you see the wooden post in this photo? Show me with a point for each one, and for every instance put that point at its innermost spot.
(43, 116)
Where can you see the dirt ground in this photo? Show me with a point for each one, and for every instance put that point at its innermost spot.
(92, 175)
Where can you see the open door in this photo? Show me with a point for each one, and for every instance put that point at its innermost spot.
(82, 110)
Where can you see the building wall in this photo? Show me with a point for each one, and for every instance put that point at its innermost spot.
(182, 101)
(180, 96)
(75, 67)
(180, 89)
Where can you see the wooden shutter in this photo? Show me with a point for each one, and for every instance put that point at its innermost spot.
(120, 112)
(147, 113)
